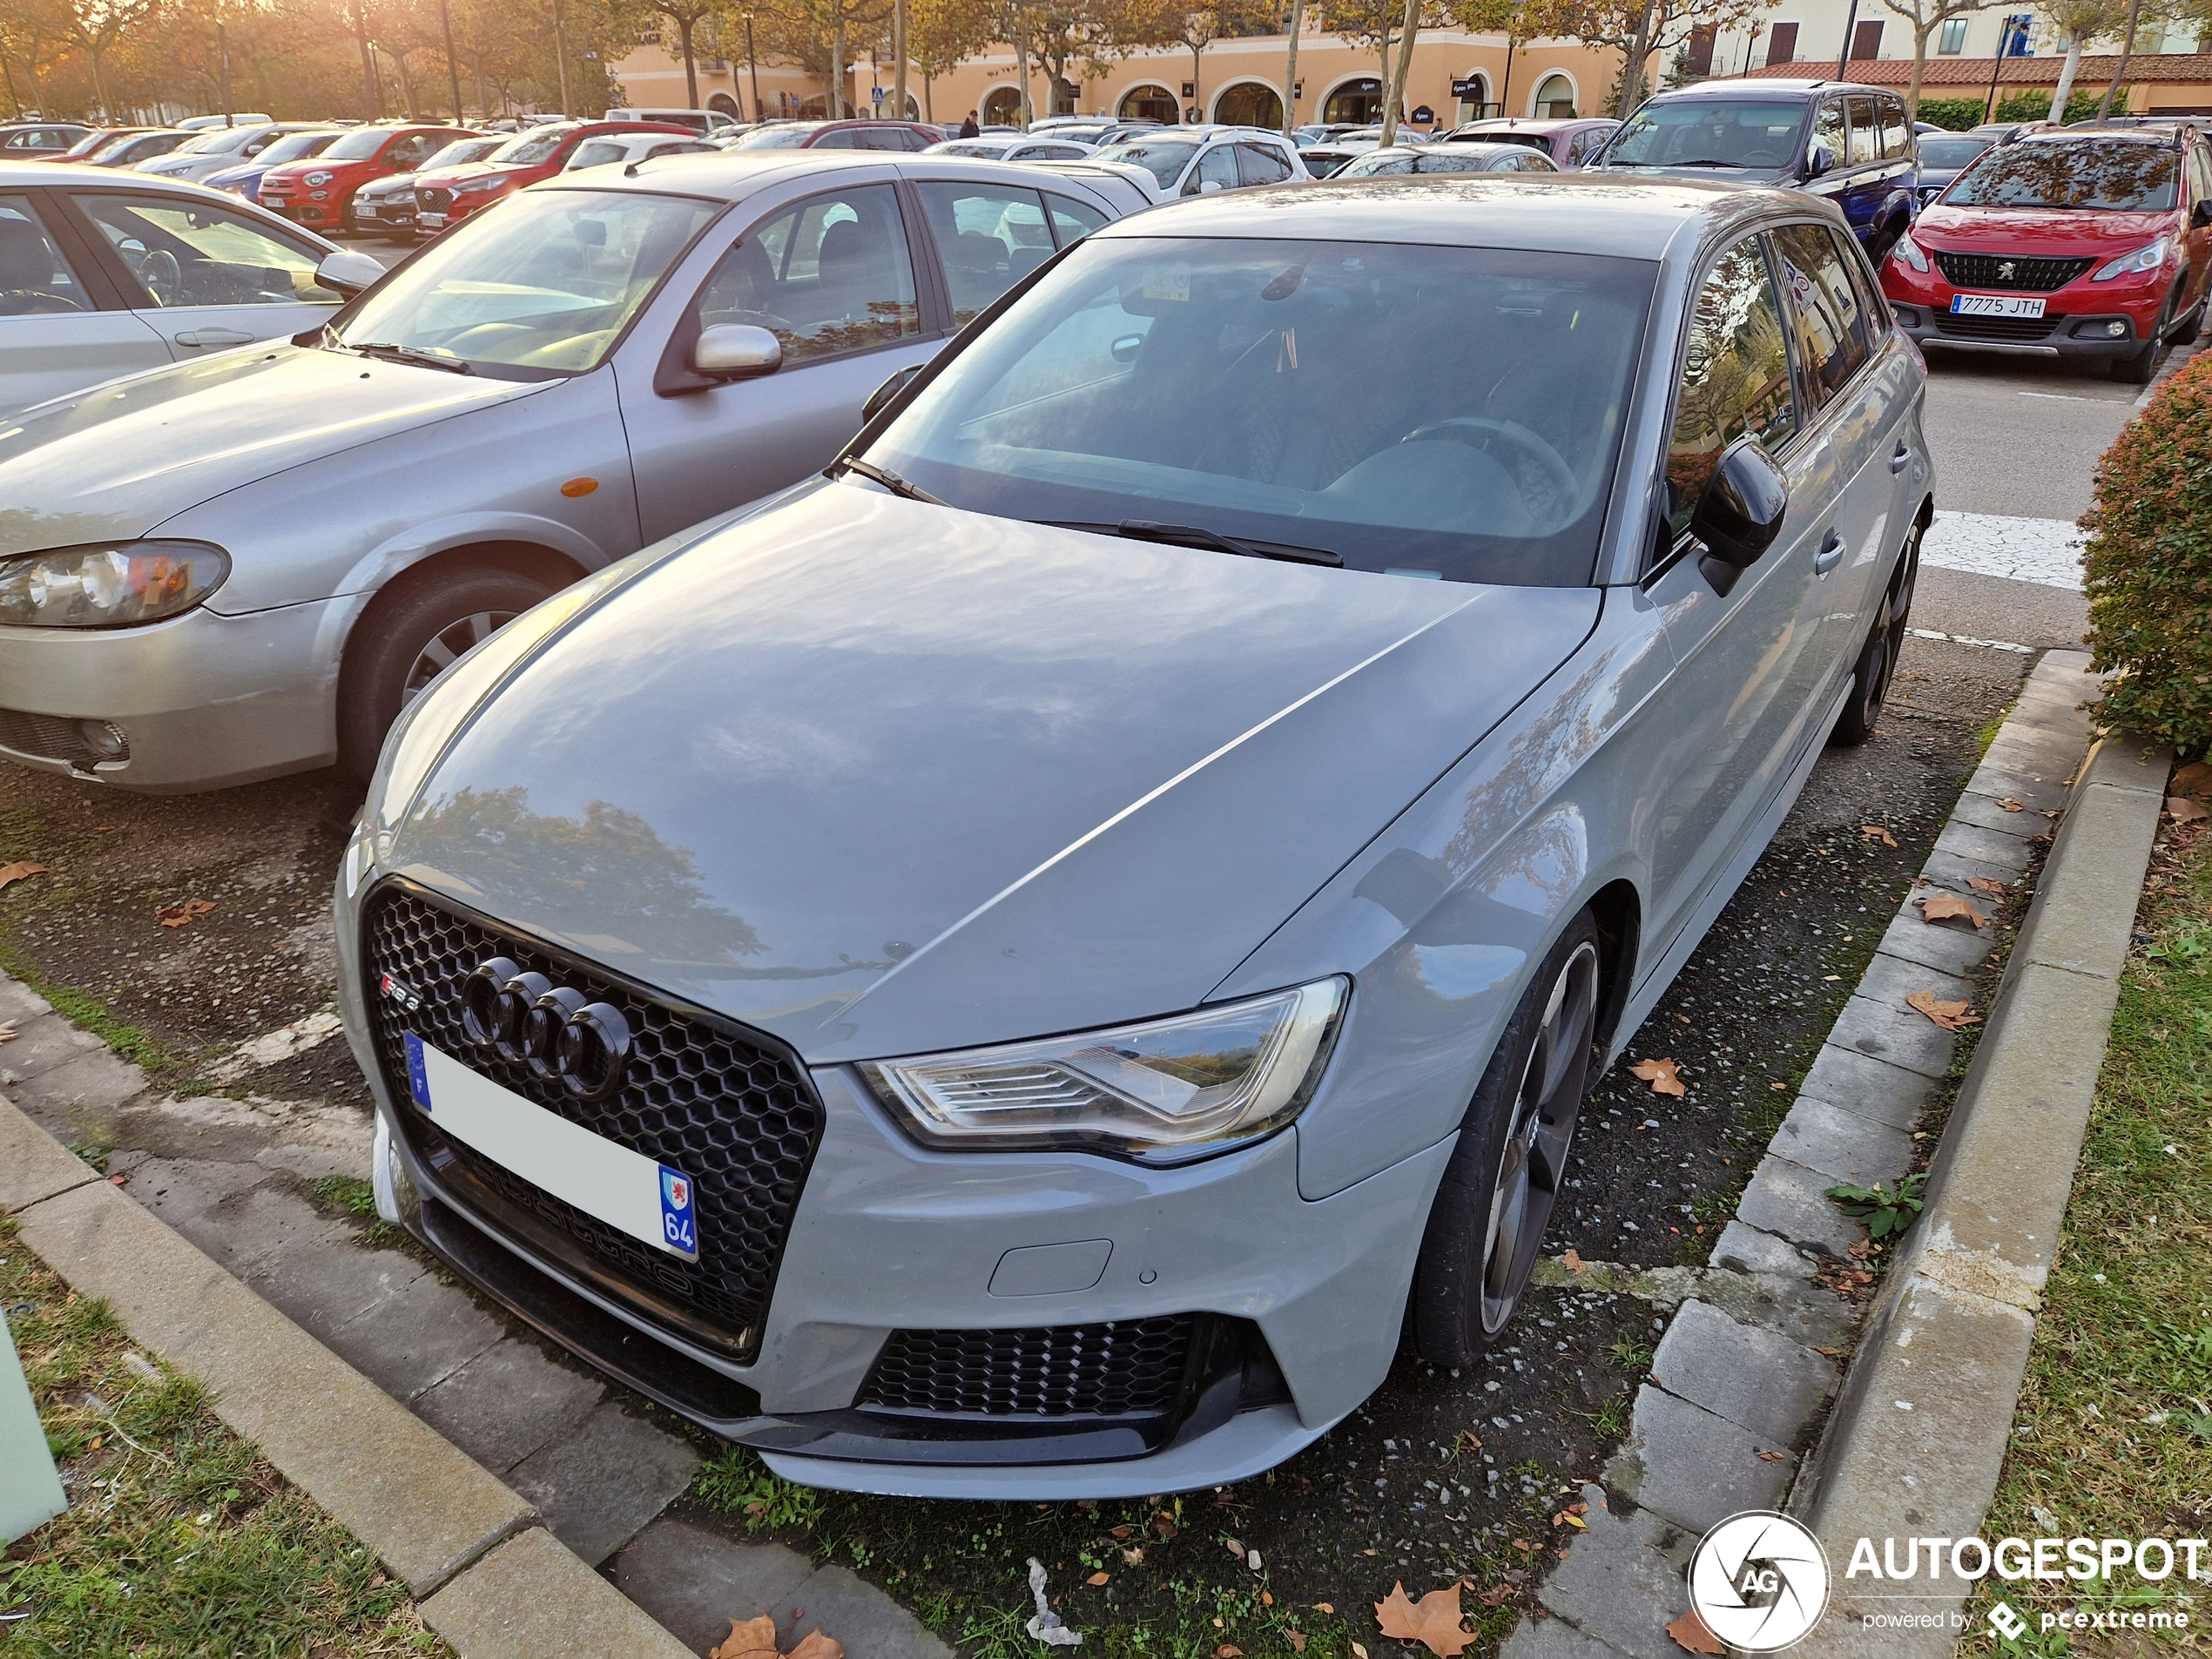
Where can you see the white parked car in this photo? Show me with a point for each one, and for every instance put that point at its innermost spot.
(202, 123)
(1013, 146)
(634, 146)
(105, 273)
(1402, 159)
(707, 122)
(221, 148)
(1183, 161)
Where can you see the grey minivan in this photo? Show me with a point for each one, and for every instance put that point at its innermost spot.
(1010, 969)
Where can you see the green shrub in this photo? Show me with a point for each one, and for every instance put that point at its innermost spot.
(2149, 566)
(2036, 106)
(1954, 114)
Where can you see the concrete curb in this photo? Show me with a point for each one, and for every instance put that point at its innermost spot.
(1916, 1439)
(1738, 1382)
(434, 1517)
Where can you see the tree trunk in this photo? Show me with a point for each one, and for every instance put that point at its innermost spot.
(2120, 70)
(1919, 68)
(560, 53)
(1290, 69)
(837, 69)
(406, 86)
(99, 83)
(899, 52)
(2066, 79)
(1385, 59)
(1632, 71)
(928, 102)
(684, 27)
(369, 110)
(1395, 97)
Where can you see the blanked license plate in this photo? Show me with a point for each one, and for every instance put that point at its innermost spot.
(650, 1201)
(1996, 304)
(433, 220)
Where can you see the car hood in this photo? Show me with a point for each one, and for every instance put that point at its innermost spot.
(2037, 232)
(119, 460)
(448, 178)
(234, 175)
(880, 776)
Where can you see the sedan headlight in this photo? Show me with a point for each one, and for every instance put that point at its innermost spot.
(2143, 259)
(472, 184)
(110, 585)
(1908, 251)
(1163, 1092)
(318, 177)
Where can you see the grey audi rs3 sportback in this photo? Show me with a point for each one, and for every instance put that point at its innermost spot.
(1011, 968)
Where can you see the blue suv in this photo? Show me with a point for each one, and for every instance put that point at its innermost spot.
(1850, 144)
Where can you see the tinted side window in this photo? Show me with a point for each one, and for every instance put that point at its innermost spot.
(1829, 320)
(1735, 376)
(1217, 166)
(1256, 164)
(1897, 132)
(844, 139)
(990, 236)
(828, 276)
(1828, 129)
(1579, 148)
(1072, 220)
(35, 280)
(1879, 322)
(1865, 135)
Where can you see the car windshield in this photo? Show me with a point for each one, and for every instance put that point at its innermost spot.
(783, 137)
(597, 153)
(1401, 161)
(1950, 153)
(534, 147)
(1435, 412)
(544, 286)
(1163, 158)
(360, 145)
(462, 149)
(223, 141)
(1728, 132)
(292, 148)
(117, 146)
(2121, 177)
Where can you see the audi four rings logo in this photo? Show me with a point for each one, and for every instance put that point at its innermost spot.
(558, 1032)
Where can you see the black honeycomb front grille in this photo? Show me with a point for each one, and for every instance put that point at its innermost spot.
(737, 1116)
(1123, 1368)
(2019, 276)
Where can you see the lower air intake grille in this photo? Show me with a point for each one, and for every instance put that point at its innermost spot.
(49, 736)
(1124, 1368)
(1996, 327)
(740, 1118)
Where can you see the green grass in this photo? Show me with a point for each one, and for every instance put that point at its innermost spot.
(2114, 1433)
(179, 1541)
(82, 1008)
(351, 1196)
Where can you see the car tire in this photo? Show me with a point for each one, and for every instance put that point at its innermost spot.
(1877, 664)
(2141, 367)
(1487, 1222)
(2191, 326)
(410, 634)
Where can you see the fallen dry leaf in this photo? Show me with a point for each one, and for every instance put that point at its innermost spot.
(1496, 1595)
(1434, 1620)
(1225, 1651)
(1573, 1262)
(1296, 1639)
(1323, 1606)
(1135, 1556)
(1876, 832)
(1357, 1651)
(815, 1645)
(1691, 1636)
(180, 915)
(1098, 1578)
(2196, 778)
(1941, 906)
(1120, 1531)
(1662, 1075)
(8, 1032)
(1770, 1457)
(1986, 884)
(2008, 803)
(2180, 808)
(756, 1639)
(18, 870)
(1952, 1016)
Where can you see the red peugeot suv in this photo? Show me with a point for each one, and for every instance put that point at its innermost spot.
(315, 193)
(2064, 243)
(451, 195)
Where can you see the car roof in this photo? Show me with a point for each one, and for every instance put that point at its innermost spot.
(1542, 127)
(2154, 138)
(1563, 212)
(1723, 90)
(732, 175)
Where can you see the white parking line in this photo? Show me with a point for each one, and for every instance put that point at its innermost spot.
(2043, 551)
(1964, 640)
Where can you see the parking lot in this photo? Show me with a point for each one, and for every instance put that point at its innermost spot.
(1441, 1473)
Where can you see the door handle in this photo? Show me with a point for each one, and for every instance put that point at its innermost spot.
(213, 337)
(1902, 458)
(1831, 554)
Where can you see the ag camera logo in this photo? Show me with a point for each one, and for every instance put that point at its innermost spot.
(1759, 1581)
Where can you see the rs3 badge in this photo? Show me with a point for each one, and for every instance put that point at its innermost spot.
(679, 1216)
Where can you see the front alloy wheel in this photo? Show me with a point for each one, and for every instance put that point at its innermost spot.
(1498, 1191)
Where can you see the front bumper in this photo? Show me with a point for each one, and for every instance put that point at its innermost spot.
(1303, 1300)
(2078, 319)
(202, 700)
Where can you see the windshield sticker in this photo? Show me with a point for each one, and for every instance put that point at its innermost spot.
(1167, 282)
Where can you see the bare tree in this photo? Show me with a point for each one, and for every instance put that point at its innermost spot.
(1925, 17)
(2079, 22)
(2119, 70)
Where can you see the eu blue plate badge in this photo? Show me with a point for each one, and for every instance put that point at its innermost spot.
(418, 1077)
(678, 1214)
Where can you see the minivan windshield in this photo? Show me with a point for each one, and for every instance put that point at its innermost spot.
(543, 286)
(1432, 412)
(1748, 133)
(2115, 175)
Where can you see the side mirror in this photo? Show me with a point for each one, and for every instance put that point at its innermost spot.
(737, 351)
(2201, 215)
(348, 272)
(1819, 159)
(883, 394)
(1211, 187)
(1739, 513)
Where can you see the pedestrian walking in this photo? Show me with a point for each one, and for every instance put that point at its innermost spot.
(969, 129)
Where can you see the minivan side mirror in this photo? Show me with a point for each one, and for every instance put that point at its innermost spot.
(1819, 159)
(1739, 513)
(347, 273)
(883, 394)
(737, 351)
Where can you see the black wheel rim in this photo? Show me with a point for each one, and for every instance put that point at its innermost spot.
(446, 646)
(1888, 634)
(1533, 1159)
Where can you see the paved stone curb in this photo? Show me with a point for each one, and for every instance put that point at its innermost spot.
(1747, 1364)
(436, 1519)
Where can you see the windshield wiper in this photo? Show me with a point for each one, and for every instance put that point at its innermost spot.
(875, 474)
(1707, 161)
(1146, 529)
(393, 353)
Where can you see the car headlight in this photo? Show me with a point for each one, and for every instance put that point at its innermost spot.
(1166, 1091)
(108, 584)
(479, 184)
(318, 177)
(2143, 259)
(1908, 251)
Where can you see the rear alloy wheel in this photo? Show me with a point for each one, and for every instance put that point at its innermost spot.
(1496, 1197)
(409, 638)
(1876, 665)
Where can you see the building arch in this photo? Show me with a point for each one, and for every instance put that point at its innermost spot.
(1480, 104)
(1555, 96)
(723, 104)
(1150, 101)
(1249, 102)
(1356, 98)
(1002, 106)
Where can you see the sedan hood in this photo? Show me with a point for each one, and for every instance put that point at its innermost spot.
(119, 460)
(2037, 232)
(454, 178)
(881, 777)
